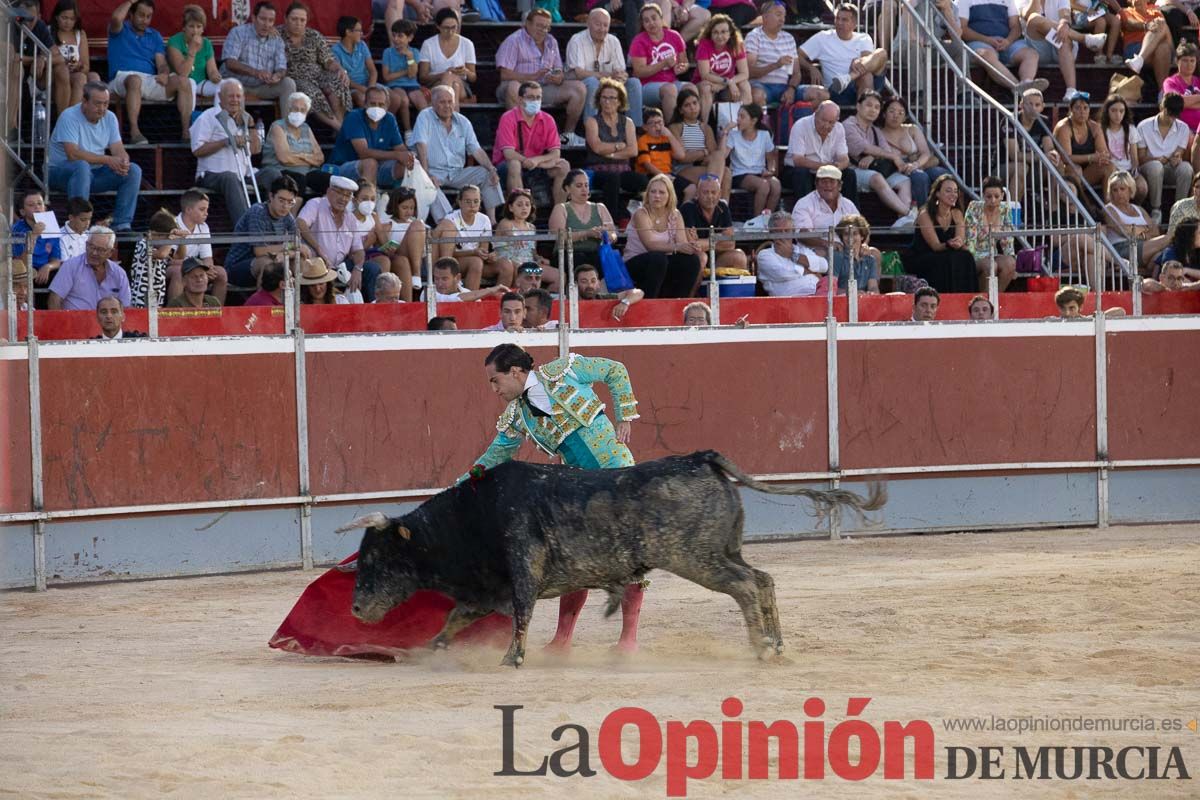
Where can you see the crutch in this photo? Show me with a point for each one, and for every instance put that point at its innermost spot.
(244, 152)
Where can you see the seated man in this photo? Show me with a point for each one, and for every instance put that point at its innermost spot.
(195, 287)
(225, 137)
(111, 316)
(271, 281)
(925, 304)
(1170, 279)
(369, 146)
(788, 268)
(529, 277)
(40, 253)
(331, 231)
(86, 153)
(816, 141)
(254, 54)
(526, 150)
(587, 281)
(1020, 160)
(447, 288)
(821, 210)
(137, 67)
(246, 260)
(531, 55)
(992, 28)
(83, 280)
(512, 313)
(850, 61)
(709, 212)
(21, 56)
(594, 53)
(771, 55)
(193, 218)
(538, 306)
(1162, 152)
(387, 289)
(443, 140)
(697, 315)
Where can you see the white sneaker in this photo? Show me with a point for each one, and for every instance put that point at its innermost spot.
(574, 141)
(1095, 41)
(1135, 64)
(908, 220)
(840, 84)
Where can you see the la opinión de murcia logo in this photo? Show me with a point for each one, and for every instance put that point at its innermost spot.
(737, 749)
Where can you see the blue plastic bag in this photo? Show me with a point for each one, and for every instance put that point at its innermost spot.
(616, 276)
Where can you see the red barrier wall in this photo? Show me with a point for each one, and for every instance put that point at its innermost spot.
(937, 402)
(16, 484)
(1153, 389)
(239, 321)
(126, 431)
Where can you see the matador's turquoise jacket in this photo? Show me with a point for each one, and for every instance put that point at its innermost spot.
(577, 429)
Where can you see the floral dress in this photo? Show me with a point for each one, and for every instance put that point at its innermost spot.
(306, 66)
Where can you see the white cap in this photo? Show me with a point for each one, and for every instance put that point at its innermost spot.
(338, 182)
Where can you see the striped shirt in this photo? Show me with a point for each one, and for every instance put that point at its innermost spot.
(692, 136)
(767, 51)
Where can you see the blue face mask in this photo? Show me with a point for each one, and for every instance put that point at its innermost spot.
(532, 107)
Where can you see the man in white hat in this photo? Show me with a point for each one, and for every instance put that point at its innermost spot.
(330, 230)
(822, 209)
(223, 139)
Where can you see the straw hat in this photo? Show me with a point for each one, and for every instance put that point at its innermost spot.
(19, 270)
(316, 271)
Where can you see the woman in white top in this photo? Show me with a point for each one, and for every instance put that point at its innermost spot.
(67, 26)
(476, 259)
(448, 58)
(753, 159)
(1128, 223)
(406, 241)
(1123, 140)
(374, 233)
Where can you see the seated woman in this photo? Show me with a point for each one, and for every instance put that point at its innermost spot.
(990, 215)
(1185, 247)
(190, 53)
(310, 63)
(1128, 227)
(72, 43)
(291, 148)
(1080, 137)
(722, 73)
(448, 58)
(476, 259)
(586, 222)
(920, 164)
(612, 143)
(406, 241)
(753, 159)
(701, 155)
(662, 259)
(316, 284)
(1122, 138)
(856, 255)
(658, 57)
(518, 221)
(374, 234)
(876, 163)
(939, 249)
(1146, 39)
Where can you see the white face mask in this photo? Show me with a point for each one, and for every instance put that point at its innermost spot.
(375, 113)
(532, 107)
(366, 207)
(296, 119)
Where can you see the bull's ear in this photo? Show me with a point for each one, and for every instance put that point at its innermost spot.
(404, 532)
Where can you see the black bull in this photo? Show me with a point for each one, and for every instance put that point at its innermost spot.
(526, 531)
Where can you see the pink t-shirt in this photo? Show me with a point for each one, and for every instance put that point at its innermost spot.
(721, 62)
(537, 141)
(1176, 84)
(671, 44)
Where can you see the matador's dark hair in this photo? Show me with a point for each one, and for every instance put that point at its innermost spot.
(506, 356)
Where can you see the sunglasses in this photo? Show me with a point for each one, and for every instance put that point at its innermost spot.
(530, 270)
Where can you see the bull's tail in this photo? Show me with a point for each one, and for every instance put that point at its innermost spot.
(824, 501)
(376, 519)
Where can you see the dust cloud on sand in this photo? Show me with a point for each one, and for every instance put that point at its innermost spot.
(167, 688)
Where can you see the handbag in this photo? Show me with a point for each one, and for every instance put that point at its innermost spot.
(1029, 260)
(417, 179)
(616, 275)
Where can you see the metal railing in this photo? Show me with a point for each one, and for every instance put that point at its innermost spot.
(15, 40)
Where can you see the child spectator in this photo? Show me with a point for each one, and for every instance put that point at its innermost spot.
(657, 148)
(856, 252)
(44, 256)
(354, 56)
(150, 264)
(400, 75)
(74, 234)
(753, 159)
(406, 241)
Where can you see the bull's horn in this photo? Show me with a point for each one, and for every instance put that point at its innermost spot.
(375, 520)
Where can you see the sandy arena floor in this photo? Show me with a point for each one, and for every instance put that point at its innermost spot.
(167, 688)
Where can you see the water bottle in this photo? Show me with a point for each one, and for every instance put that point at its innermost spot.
(41, 123)
(262, 132)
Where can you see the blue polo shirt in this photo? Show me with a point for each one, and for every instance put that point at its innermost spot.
(129, 52)
(44, 249)
(354, 63)
(92, 137)
(357, 126)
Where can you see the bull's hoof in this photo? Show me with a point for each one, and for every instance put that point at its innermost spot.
(557, 648)
(439, 644)
(624, 648)
(512, 660)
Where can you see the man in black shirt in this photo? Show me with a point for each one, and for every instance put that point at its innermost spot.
(709, 211)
